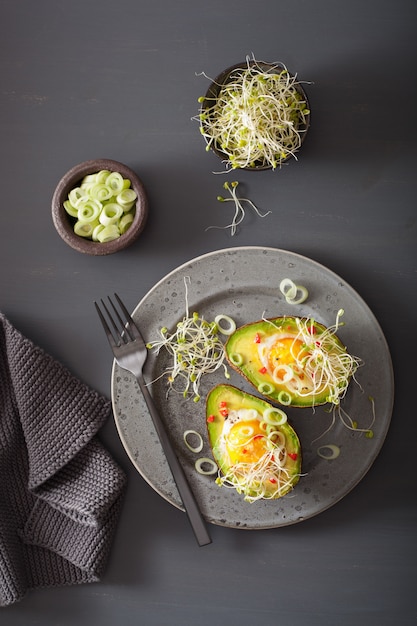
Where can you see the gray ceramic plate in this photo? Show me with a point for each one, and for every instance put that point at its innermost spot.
(243, 282)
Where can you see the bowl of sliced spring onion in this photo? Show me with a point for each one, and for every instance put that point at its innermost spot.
(99, 207)
(254, 115)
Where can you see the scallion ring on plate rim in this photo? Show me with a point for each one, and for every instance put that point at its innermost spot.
(231, 325)
(199, 466)
(288, 288)
(328, 451)
(301, 297)
(196, 449)
(293, 294)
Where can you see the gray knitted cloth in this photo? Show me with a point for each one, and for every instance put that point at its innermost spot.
(60, 490)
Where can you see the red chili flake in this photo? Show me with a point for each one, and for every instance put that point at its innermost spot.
(224, 412)
(262, 370)
(244, 451)
(258, 436)
(293, 455)
(222, 404)
(273, 481)
(311, 329)
(211, 418)
(318, 343)
(257, 338)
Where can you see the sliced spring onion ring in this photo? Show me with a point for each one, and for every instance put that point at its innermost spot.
(115, 182)
(89, 211)
(270, 429)
(108, 233)
(288, 373)
(102, 176)
(125, 222)
(110, 214)
(294, 294)
(97, 229)
(288, 288)
(196, 435)
(274, 416)
(302, 295)
(77, 194)
(277, 437)
(70, 209)
(100, 191)
(127, 197)
(284, 398)
(246, 431)
(205, 461)
(231, 325)
(266, 388)
(329, 451)
(83, 229)
(236, 358)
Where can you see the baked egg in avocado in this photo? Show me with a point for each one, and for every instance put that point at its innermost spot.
(256, 449)
(292, 361)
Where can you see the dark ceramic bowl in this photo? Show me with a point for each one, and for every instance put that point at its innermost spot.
(64, 223)
(224, 78)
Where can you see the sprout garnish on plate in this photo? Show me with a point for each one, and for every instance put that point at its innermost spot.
(196, 350)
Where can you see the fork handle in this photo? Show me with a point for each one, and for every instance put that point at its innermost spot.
(190, 504)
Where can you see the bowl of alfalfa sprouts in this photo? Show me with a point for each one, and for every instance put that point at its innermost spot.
(255, 115)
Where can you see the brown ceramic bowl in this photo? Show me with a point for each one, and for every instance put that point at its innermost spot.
(64, 223)
(226, 77)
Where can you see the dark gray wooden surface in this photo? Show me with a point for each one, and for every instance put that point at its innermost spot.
(119, 80)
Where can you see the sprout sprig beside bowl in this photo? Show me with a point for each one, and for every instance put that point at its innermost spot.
(255, 115)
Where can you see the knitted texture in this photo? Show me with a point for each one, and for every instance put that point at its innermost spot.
(60, 490)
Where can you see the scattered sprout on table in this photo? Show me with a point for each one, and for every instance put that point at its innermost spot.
(239, 208)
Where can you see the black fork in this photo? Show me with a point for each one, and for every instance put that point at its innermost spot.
(130, 352)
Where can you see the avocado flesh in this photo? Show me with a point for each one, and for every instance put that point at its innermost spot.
(243, 346)
(231, 398)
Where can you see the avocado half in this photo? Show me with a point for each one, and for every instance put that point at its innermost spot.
(244, 346)
(224, 405)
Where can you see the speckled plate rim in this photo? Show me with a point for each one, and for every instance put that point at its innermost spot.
(243, 282)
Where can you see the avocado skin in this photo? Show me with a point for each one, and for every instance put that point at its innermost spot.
(241, 342)
(236, 398)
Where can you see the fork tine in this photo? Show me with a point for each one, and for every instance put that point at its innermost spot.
(119, 330)
(122, 331)
(133, 329)
(106, 327)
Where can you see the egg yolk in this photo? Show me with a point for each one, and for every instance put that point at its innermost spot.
(284, 352)
(245, 442)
